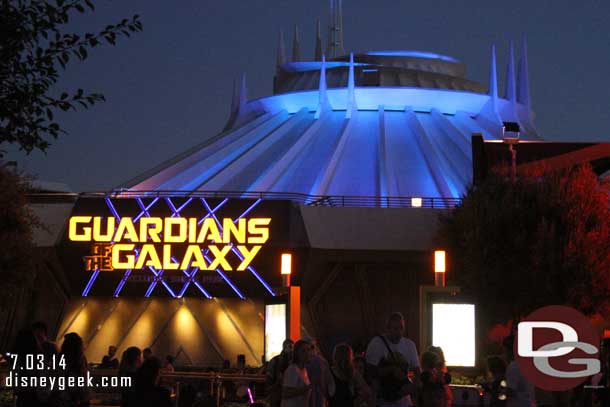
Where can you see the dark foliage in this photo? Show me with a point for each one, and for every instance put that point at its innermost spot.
(17, 224)
(34, 50)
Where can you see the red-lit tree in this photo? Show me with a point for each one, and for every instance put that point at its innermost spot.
(542, 239)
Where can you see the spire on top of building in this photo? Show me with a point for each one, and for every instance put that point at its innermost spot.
(351, 89)
(235, 98)
(510, 92)
(243, 93)
(296, 45)
(340, 49)
(239, 102)
(335, 35)
(329, 46)
(323, 103)
(509, 112)
(318, 52)
(490, 113)
(493, 74)
(524, 108)
(281, 49)
(523, 84)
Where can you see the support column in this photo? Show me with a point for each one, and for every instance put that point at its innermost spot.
(294, 313)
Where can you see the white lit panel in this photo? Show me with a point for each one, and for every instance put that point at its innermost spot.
(453, 330)
(275, 329)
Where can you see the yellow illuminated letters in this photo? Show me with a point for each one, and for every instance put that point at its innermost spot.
(219, 258)
(85, 234)
(258, 227)
(117, 252)
(209, 231)
(98, 236)
(248, 256)
(126, 231)
(175, 230)
(237, 230)
(172, 243)
(150, 227)
(168, 263)
(193, 256)
(148, 257)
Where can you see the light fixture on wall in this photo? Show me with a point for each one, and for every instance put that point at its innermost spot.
(440, 267)
(286, 268)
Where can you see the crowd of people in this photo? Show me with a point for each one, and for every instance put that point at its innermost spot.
(141, 366)
(390, 373)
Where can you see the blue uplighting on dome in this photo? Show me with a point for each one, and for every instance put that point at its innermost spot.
(414, 54)
(401, 142)
(345, 140)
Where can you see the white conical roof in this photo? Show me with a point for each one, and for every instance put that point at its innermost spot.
(397, 142)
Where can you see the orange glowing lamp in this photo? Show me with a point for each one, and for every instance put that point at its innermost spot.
(440, 268)
(286, 268)
(439, 261)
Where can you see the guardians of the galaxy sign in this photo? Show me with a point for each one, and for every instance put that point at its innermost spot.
(169, 243)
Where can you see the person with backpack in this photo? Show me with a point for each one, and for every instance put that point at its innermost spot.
(390, 359)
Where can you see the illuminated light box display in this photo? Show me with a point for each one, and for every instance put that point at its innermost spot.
(275, 329)
(453, 329)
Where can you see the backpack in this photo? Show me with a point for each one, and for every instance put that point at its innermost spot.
(390, 385)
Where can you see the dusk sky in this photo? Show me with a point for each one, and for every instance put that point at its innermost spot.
(169, 87)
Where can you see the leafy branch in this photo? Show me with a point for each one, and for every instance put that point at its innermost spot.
(34, 50)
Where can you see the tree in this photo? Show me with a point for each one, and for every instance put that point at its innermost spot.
(542, 239)
(34, 50)
(17, 224)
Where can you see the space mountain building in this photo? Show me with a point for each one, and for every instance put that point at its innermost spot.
(373, 125)
(345, 168)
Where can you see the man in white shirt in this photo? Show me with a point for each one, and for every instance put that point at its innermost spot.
(388, 358)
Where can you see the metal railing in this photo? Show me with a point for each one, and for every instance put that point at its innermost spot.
(214, 383)
(310, 200)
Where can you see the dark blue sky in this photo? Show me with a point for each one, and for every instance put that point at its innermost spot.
(170, 86)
